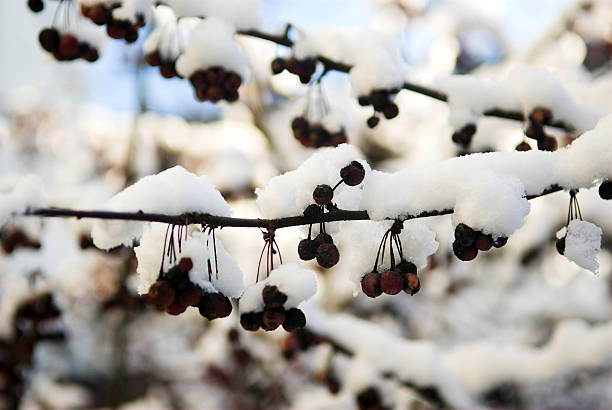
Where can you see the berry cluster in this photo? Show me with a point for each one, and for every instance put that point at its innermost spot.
(174, 293)
(314, 134)
(274, 313)
(369, 399)
(605, 190)
(464, 135)
(167, 67)
(12, 237)
(102, 14)
(304, 68)
(66, 46)
(215, 84)
(380, 100)
(36, 5)
(469, 241)
(33, 323)
(539, 117)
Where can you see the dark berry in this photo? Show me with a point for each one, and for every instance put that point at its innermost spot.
(185, 265)
(391, 282)
(369, 399)
(323, 238)
(523, 146)
(175, 308)
(167, 69)
(49, 39)
(277, 65)
(373, 121)
(36, 5)
(370, 284)
(379, 99)
(131, 36)
(307, 249)
(160, 294)
(251, 321)
(313, 212)
(273, 297)
(153, 59)
(294, 319)
(407, 267)
(464, 234)
(464, 136)
(91, 55)
(363, 100)
(535, 131)
(98, 14)
(412, 283)
(190, 296)
(214, 305)
(299, 123)
(69, 46)
(272, 318)
(605, 190)
(540, 115)
(547, 144)
(501, 241)
(323, 194)
(560, 244)
(353, 173)
(464, 253)
(327, 255)
(390, 111)
(483, 242)
(215, 93)
(116, 30)
(232, 82)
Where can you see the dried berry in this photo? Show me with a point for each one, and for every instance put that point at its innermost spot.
(175, 308)
(523, 146)
(406, 267)
(323, 238)
(49, 39)
(307, 249)
(190, 296)
(605, 190)
(277, 65)
(390, 111)
(251, 321)
(272, 318)
(323, 194)
(160, 294)
(560, 244)
(412, 283)
(294, 319)
(99, 14)
(299, 123)
(391, 282)
(373, 121)
(370, 284)
(214, 305)
(464, 234)
(153, 59)
(547, 144)
(68, 46)
(36, 5)
(464, 253)
(483, 242)
(353, 173)
(273, 297)
(327, 255)
(313, 212)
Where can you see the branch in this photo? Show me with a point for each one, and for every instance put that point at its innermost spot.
(227, 221)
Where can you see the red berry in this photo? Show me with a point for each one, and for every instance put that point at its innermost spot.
(161, 293)
(273, 297)
(116, 30)
(294, 319)
(391, 282)
(190, 296)
(412, 283)
(327, 255)
(175, 308)
(370, 284)
(153, 59)
(483, 242)
(185, 265)
(272, 318)
(323, 194)
(98, 14)
(353, 173)
(251, 321)
(215, 93)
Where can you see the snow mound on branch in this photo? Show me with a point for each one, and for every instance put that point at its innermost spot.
(26, 193)
(242, 14)
(297, 283)
(491, 203)
(374, 55)
(290, 193)
(164, 38)
(582, 243)
(211, 43)
(173, 192)
(131, 9)
(149, 255)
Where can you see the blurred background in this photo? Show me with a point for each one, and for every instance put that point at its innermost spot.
(74, 334)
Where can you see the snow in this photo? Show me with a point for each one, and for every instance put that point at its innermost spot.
(211, 43)
(374, 55)
(173, 191)
(149, 255)
(242, 14)
(290, 193)
(582, 243)
(26, 193)
(130, 9)
(297, 283)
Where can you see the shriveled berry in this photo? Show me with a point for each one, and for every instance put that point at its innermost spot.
(547, 144)
(307, 249)
(214, 305)
(160, 294)
(483, 242)
(294, 319)
(190, 296)
(323, 238)
(560, 244)
(501, 241)
(313, 211)
(363, 100)
(464, 253)
(391, 282)
(36, 5)
(605, 190)
(370, 284)
(131, 35)
(175, 308)
(272, 318)
(412, 283)
(327, 255)
(464, 234)
(373, 121)
(277, 65)
(406, 267)
(391, 110)
(185, 264)
(251, 321)
(273, 297)
(49, 39)
(523, 146)
(323, 194)
(353, 173)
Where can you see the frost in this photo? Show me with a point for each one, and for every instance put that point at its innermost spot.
(27, 193)
(297, 283)
(582, 243)
(173, 191)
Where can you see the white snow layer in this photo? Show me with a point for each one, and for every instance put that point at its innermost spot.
(582, 243)
(149, 255)
(242, 14)
(374, 56)
(130, 9)
(290, 193)
(451, 183)
(524, 89)
(297, 283)
(173, 191)
(27, 193)
(211, 43)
